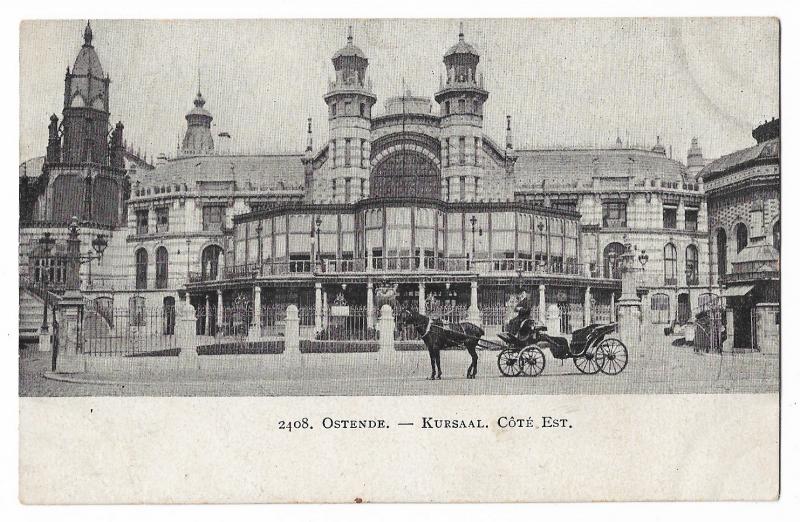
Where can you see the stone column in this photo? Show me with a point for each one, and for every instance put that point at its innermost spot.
(553, 321)
(188, 358)
(613, 307)
(317, 307)
(370, 305)
(220, 265)
(254, 332)
(68, 358)
(473, 313)
(220, 315)
(324, 312)
(207, 330)
(368, 268)
(629, 309)
(421, 298)
(386, 329)
(421, 259)
(542, 306)
(291, 347)
(587, 306)
(727, 344)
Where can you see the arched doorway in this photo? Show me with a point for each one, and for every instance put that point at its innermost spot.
(210, 262)
(612, 266)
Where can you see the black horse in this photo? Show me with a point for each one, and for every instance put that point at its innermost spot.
(436, 337)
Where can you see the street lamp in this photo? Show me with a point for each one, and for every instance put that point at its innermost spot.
(315, 241)
(474, 221)
(46, 243)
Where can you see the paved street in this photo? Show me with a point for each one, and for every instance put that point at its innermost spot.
(662, 369)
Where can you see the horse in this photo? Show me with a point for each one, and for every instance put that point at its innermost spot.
(436, 337)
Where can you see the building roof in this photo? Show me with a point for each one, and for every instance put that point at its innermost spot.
(250, 172)
(568, 166)
(765, 150)
(462, 47)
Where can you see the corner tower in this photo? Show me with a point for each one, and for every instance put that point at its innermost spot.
(86, 114)
(461, 100)
(350, 100)
(198, 140)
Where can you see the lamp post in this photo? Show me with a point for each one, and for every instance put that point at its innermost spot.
(474, 221)
(315, 241)
(46, 243)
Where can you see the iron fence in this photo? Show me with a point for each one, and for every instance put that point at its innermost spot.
(133, 331)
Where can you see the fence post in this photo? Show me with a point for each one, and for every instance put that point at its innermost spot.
(292, 335)
(187, 321)
(386, 329)
(553, 322)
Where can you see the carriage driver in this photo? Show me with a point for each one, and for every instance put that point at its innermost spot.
(523, 311)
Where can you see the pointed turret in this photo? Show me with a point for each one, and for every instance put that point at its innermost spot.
(198, 140)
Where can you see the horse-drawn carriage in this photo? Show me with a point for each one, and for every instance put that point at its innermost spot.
(521, 353)
(590, 349)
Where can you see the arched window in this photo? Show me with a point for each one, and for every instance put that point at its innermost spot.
(776, 235)
(707, 300)
(659, 307)
(691, 265)
(141, 269)
(210, 262)
(741, 237)
(670, 264)
(162, 267)
(611, 260)
(722, 253)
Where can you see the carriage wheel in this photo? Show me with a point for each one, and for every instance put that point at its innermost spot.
(588, 363)
(531, 361)
(508, 362)
(612, 356)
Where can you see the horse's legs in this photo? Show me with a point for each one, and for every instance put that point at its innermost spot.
(433, 363)
(473, 367)
(438, 356)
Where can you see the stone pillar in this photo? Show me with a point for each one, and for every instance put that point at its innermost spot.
(324, 312)
(208, 316)
(613, 307)
(727, 344)
(370, 305)
(629, 322)
(587, 306)
(254, 332)
(473, 312)
(542, 306)
(220, 315)
(317, 307)
(291, 347)
(186, 318)
(386, 329)
(553, 321)
(421, 259)
(421, 298)
(69, 358)
(220, 265)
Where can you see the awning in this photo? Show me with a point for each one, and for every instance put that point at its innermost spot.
(737, 291)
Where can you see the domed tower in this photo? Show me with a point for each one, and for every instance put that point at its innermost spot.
(350, 100)
(461, 101)
(694, 159)
(198, 140)
(85, 125)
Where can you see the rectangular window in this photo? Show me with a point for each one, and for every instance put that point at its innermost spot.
(347, 109)
(347, 152)
(462, 106)
(691, 220)
(477, 151)
(141, 221)
(615, 214)
(348, 189)
(213, 217)
(462, 150)
(162, 219)
(462, 188)
(670, 218)
(362, 109)
(446, 152)
(446, 108)
(333, 153)
(333, 109)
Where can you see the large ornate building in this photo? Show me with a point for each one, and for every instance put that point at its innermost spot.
(417, 197)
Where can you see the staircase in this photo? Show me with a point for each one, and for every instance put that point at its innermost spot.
(30, 316)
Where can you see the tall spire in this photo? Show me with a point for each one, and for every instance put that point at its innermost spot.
(310, 139)
(350, 35)
(509, 141)
(87, 34)
(460, 31)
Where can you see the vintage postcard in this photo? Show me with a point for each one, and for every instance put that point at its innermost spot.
(389, 260)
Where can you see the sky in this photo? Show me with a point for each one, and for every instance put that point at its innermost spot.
(565, 82)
